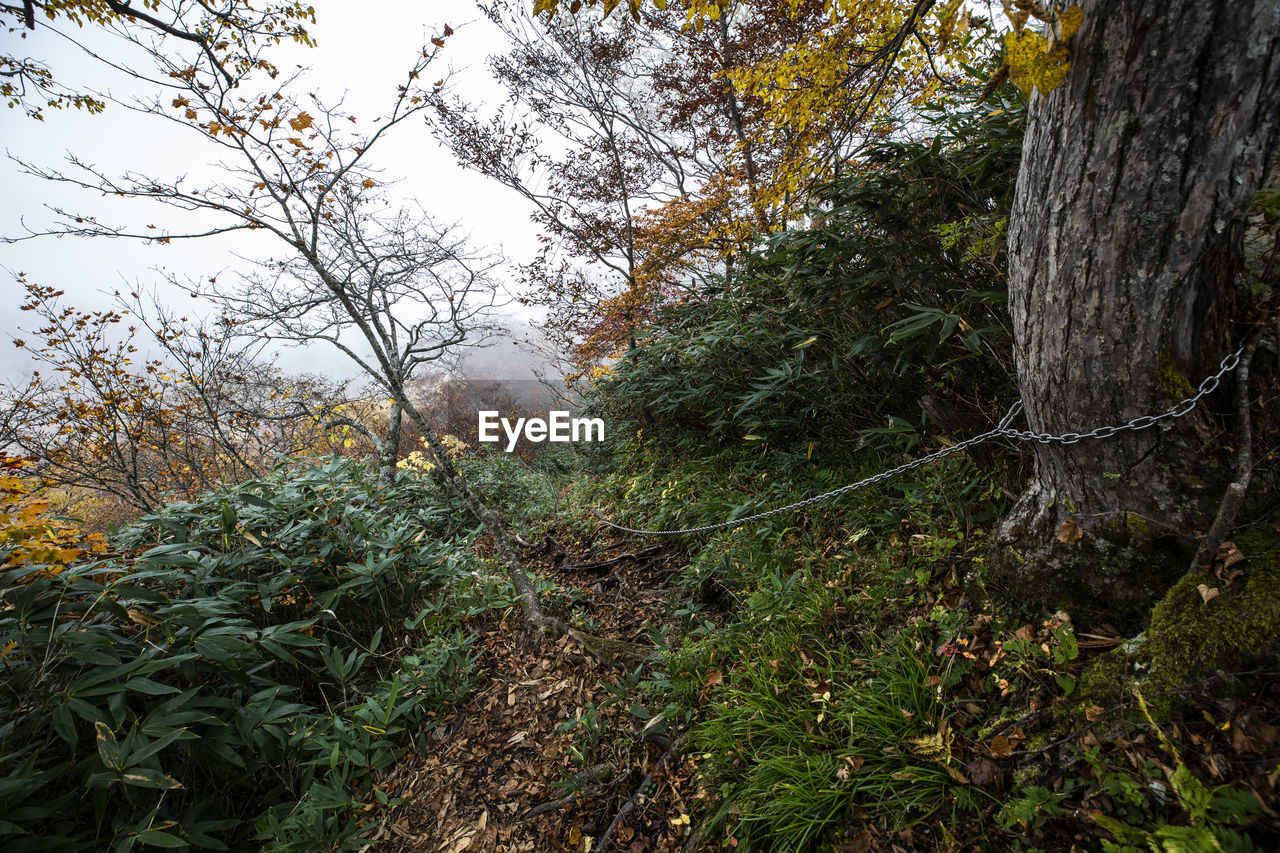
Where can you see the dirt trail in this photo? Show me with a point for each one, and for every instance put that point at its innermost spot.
(492, 772)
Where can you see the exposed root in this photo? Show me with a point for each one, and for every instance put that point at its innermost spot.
(1234, 497)
(606, 840)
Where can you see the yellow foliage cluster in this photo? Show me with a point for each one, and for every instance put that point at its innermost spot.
(1035, 60)
(858, 71)
(856, 65)
(420, 464)
(28, 536)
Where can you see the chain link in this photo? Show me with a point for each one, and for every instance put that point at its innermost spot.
(1002, 430)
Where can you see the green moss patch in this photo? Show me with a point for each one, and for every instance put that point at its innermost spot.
(1197, 645)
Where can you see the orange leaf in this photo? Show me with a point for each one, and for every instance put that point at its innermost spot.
(1069, 533)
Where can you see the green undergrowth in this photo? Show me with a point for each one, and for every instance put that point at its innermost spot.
(235, 680)
(805, 735)
(802, 650)
(834, 679)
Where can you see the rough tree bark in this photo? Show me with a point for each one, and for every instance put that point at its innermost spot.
(389, 453)
(1135, 181)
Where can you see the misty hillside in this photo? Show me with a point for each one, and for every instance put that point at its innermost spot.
(864, 439)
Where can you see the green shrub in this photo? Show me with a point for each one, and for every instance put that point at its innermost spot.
(896, 289)
(268, 648)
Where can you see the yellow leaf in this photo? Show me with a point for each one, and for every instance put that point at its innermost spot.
(302, 122)
(1034, 63)
(1069, 21)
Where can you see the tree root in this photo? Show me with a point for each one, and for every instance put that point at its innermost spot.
(1234, 496)
(588, 780)
(606, 839)
(639, 555)
(617, 654)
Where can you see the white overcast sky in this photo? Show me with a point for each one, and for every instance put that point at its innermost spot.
(363, 51)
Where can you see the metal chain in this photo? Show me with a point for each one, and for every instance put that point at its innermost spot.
(1002, 430)
(1207, 386)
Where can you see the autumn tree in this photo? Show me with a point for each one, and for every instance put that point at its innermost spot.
(805, 83)
(718, 137)
(140, 407)
(29, 534)
(389, 291)
(229, 38)
(665, 143)
(574, 141)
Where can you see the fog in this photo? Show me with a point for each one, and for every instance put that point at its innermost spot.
(359, 58)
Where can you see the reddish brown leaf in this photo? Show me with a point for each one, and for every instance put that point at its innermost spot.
(1069, 533)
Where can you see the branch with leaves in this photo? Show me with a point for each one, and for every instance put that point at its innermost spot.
(231, 39)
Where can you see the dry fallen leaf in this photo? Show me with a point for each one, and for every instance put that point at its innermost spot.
(1208, 593)
(1069, 533)
(1228, 554)
(1094, 713)
(140, 618)
(984, 773)
(860, 843)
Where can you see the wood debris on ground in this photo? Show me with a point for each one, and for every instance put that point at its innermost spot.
(490, 772)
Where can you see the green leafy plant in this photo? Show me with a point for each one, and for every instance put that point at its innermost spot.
(235, 677)
(801, 735)
(1213, 816)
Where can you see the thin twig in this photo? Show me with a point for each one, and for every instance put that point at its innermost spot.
(695, 840)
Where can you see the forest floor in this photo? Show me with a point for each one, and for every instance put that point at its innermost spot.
(545, 757)
(497, 780)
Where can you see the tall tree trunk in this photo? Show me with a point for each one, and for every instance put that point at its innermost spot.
(1136, 177)
(390, 450)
